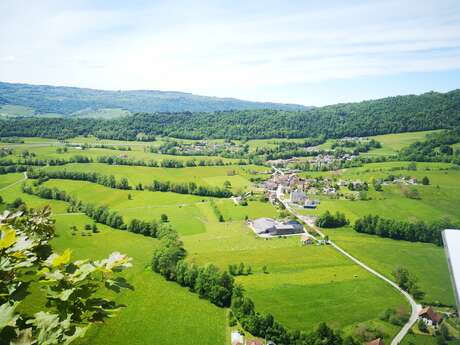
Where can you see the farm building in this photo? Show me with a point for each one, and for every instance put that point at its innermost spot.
(298, 196)
(378, 341)
(429, 316)
(271, 227)
(237, 338)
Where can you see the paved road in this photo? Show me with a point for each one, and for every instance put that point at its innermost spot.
(414, 306)
(15, 183)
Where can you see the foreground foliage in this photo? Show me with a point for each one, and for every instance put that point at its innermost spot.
(71, 288)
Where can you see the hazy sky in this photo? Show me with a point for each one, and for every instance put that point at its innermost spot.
(308, 52)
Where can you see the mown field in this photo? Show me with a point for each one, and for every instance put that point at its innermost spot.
(426, 261)
(391, 143)
(438, 200)
(303, 286)
(47, 149)
(156, 312)
(214, 176)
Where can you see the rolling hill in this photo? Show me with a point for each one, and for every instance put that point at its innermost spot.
(44, 100)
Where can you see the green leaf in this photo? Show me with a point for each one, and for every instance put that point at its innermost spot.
(8, 238)
(7, 315)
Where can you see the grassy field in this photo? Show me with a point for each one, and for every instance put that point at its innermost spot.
(47, 149)
(304, 285)
(439, 199)
(214, 176)
(157, 312)
(426, 261)
(15, 110)
(391, 143)
(299, 279)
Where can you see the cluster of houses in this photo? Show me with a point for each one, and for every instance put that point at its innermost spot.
(319, 161)
(399, 180)
(202, 147)
(302, 190)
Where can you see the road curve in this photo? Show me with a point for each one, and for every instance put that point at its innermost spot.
(414, 306)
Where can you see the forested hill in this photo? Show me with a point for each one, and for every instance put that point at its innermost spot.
(43, 99)
(389, 115)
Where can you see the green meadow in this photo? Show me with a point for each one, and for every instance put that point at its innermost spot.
(426, 261)
(154, 311)
(301, 286)
(438, 200)
(214, 176)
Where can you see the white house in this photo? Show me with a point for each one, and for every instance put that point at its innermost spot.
(298, 197)
(237, 338)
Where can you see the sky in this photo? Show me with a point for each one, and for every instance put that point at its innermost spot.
(305, 52)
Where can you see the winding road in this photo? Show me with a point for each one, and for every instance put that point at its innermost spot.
(414, 306)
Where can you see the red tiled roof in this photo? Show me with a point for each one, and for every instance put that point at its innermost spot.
(430, 314)
(254, 342)
(378, 341)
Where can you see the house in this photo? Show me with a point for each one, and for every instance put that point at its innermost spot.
(306, 240)
(237, 338)
(378, 341)
(298, 197)
(253, 342)
(310, 203)
(429, 316)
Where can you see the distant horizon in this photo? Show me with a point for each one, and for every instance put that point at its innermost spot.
(297, 52)
(226, 97)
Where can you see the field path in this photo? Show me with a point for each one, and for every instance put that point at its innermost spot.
(15, 183)
(414, 306)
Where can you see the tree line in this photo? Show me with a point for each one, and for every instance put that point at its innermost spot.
(165, 163)
(436, 148)
(189, 188)
(44, 162)
(402, 230)
(100, 214)
(388, 115)
(104, 180)
(329, 220)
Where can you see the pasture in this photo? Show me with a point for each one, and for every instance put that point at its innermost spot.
(156, 312)
(438, 200)
(426, 261)
(214, 176)
(304, 284)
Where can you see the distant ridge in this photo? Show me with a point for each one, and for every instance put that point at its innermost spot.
(84, 102)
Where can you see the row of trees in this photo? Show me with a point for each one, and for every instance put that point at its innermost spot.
(100, 214)
(107, 181)
(329, 220)
(44, 162)
(403, 230)
(12, 169)
(219, 288)
(189, 188)
(165, 163)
